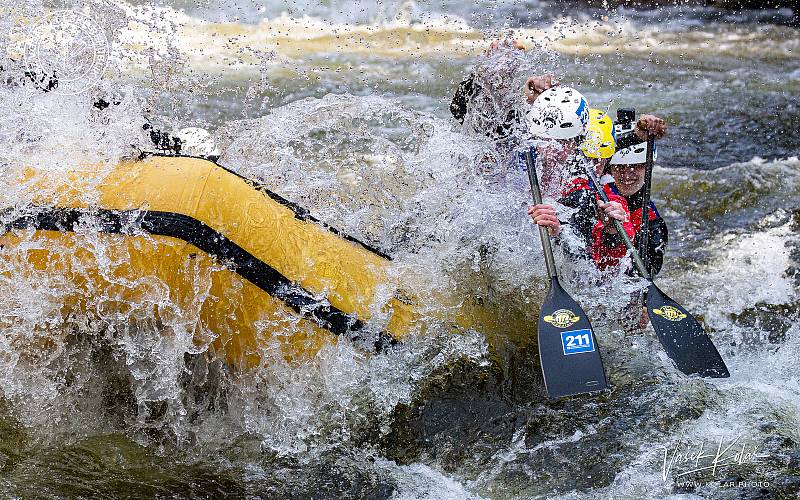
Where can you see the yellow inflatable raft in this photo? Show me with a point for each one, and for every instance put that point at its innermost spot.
(171, 218)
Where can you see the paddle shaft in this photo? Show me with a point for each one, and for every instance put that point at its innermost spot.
(644, 238)
(637, 260)
(547, 246)
(568, 367)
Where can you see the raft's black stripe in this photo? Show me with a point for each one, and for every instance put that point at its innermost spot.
(213, 243)
(300, 213)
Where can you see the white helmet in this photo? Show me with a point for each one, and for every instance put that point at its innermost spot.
(196, 141)
(633, 155)
(558, 113)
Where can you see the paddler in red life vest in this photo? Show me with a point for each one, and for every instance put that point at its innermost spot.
(627, 169)
(614, 144)
(559, 120)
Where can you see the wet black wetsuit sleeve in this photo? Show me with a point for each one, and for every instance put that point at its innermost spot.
(659, 235)
(459, 107)
(464, 93)
(48, 82)
(44, 81)
(583, 220)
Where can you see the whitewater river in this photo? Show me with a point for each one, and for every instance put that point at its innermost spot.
(343, 107)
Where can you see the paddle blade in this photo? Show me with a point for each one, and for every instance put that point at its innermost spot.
(567, 347)
(684, 340)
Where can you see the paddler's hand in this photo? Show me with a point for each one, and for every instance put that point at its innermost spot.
(650, 124)
(505, 43)
(609, 211)
(545, 215)
(537, 84)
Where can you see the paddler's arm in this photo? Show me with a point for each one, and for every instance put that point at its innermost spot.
(163, 141)
(468, 90)
(609, 211)
(464, 93)
(584, 216)
(13, 73)
(651, 124)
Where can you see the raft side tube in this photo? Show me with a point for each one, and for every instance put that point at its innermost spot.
(286, 254)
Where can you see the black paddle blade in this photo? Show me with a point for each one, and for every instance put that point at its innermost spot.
(684, 340)
(571, 363)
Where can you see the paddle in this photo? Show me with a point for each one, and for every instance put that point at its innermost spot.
(684, 340)
(568, 352)
(644, 230)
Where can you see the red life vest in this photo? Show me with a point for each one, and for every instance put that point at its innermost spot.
(604, 254)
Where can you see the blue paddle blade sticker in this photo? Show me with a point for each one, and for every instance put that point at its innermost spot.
(577, 341)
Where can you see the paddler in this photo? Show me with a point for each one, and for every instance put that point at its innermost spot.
(627, 169)
(600, 147)
(488, 102)
(559, 120)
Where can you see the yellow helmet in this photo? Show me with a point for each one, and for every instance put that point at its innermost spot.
(599, 142)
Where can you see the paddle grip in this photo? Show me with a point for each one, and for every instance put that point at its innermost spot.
(547, 246)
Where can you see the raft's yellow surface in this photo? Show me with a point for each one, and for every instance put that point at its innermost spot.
(133, 267)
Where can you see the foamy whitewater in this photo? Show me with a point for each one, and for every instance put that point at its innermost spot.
(343, 108)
